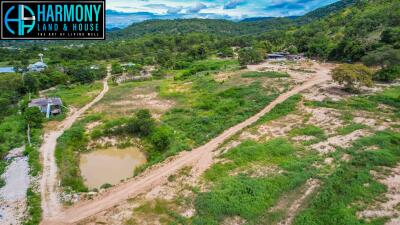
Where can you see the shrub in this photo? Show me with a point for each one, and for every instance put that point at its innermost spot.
(142, 124)
(161, 138)
(105, 186)
(352, 76)
(388, 74)
(34, 117)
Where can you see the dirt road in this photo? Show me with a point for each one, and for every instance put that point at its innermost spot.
(158, 175)
(49, 182)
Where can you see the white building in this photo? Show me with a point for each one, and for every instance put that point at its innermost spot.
(38, 66)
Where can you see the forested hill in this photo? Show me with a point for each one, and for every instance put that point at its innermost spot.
(224, 27)
(325, 11)
(211, 26)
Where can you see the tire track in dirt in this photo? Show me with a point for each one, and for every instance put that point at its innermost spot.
(48, 185)
(158, 175)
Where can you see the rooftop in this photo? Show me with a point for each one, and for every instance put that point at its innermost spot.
(42, 102)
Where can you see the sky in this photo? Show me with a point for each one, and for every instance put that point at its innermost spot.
(124, 12)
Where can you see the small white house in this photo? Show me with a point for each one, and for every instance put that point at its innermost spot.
(38, 66)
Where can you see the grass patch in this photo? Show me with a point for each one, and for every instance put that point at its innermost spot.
(160, 210)
(309, 130)
(34, 208)
(389, 97)
(69, 146)
(282, 109)
(350, 128)
(12, 133)
(67, 153)
(250, 197)
(345, 191)
(208, 112)
(205, 67)
(77, 95)
(269, 74)
(33, 159)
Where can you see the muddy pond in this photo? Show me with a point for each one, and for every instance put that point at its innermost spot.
(109, 165)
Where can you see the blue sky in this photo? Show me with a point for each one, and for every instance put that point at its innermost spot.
(138, 10)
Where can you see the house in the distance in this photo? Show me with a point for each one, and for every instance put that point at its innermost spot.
(37, 66)
(279, 56)
(48, 106)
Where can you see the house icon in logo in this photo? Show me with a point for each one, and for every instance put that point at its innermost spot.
(22, 24)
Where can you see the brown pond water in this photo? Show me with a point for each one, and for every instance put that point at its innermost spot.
(110, 165)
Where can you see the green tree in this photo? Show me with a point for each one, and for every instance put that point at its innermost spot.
(226, 52)
(141, 124)
(383, 57)
(391, 36)
(388, 74)
(34, 117)
(249, 56)
(161, 138)
(31, 83)
(352, 76)
(116, 68)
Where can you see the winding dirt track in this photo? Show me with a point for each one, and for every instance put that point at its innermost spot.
(49, 183)
(158, 175)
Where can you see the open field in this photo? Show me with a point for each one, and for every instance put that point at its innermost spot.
(285, 169)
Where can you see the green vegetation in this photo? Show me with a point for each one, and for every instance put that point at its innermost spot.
(309, 130)
(388, 74)
(282, 109)
(77, 95)
(247, 196)
(158, 210)
(269, 74)
(34, 208)
(350, 128)
(187, 69)
(351, 187)
(389, 97)
(352, 76)
(3, 166)
(210, 110)
(12, 133)
(73, 141)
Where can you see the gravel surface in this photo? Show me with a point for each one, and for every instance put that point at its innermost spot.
(13, 194)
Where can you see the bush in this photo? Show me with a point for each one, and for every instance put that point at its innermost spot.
(388, 74)
(249, 56)
(34, 117)
(161, 138)
(105, 186)
(142, 124)
(352, 76)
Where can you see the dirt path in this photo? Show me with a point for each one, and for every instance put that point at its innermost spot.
(158, 175)
(49, 183)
